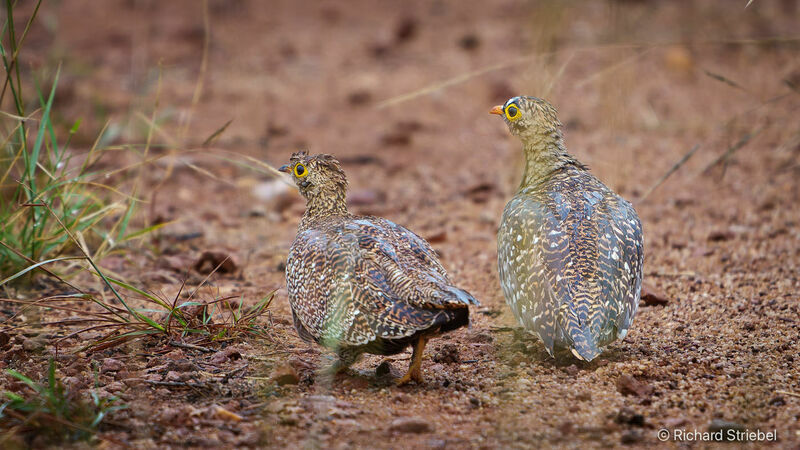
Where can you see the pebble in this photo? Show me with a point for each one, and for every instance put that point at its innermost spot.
(627, 385)
(652, 296)
(411, 425)
(284, 374)
(111, 365)
(631, 437)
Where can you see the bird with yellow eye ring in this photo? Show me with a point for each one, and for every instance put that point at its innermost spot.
(363, 284)
(570, 251)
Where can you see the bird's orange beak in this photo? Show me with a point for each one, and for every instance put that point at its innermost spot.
(497, 110)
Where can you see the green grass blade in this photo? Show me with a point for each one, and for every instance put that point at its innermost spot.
(37, 146)
(144, 231)
(29, 268)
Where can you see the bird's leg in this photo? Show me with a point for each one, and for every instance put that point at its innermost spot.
(414, 369)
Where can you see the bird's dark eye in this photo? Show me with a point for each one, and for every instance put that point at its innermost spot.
(512, 112)
(300, 170)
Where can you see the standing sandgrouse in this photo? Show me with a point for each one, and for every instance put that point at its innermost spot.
(570, 250)
(362, 284)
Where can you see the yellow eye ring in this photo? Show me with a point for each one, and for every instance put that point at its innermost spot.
(512, 112)
(300, 170)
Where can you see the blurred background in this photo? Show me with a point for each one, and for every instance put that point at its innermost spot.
(149, 129)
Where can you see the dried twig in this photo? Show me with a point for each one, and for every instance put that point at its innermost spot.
(725, 157)
(791, 394)
(190, 346)
(685, 273)
(216, 134)
(501, 329)
(723, 79)
(671, 170)
(177, 384)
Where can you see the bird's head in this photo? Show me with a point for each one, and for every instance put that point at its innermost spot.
(529, 118)
(316, 175)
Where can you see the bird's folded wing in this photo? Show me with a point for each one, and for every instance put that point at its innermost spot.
(620, 258)
(410, 267)
(356, 302)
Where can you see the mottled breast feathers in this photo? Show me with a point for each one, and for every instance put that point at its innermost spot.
(570, 260)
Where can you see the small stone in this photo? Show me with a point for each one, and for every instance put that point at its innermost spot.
(222, 356)
(627, 385)
(447, 354)
(400, 398)
(73, 383)
(572, 370)
(406, 30)
(721, 235)
(628, 416)
(181, 365)
(777, 401)
(111, 365)
(469, 42)
(173, 376)
(631, 437)
(284, 374)
(4, 339)
(411, 425)
(115, 387)
(652, 296)
(219, 260)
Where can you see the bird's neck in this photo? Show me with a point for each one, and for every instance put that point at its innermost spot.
(324, 204)
(544, 155)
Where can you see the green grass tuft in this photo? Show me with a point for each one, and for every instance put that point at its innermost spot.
(49, 410)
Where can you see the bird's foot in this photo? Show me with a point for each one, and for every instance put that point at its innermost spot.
(411, 375)
(415, 368)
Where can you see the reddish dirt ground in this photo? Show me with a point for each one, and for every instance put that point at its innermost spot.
(637, 85)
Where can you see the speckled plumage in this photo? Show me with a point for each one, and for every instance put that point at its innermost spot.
(363, 284)
(570, 250)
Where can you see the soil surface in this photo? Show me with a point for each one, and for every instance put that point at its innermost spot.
(637, 85)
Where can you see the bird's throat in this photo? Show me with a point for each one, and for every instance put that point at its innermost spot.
(543, 157)
(323, 204)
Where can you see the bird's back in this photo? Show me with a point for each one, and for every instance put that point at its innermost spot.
(353, 281)
(570, 261)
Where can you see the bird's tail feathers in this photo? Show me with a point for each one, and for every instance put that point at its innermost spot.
(579, 334)
(462, 296)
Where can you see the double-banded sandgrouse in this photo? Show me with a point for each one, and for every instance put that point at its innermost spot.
(570, 250)
(360, 284)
